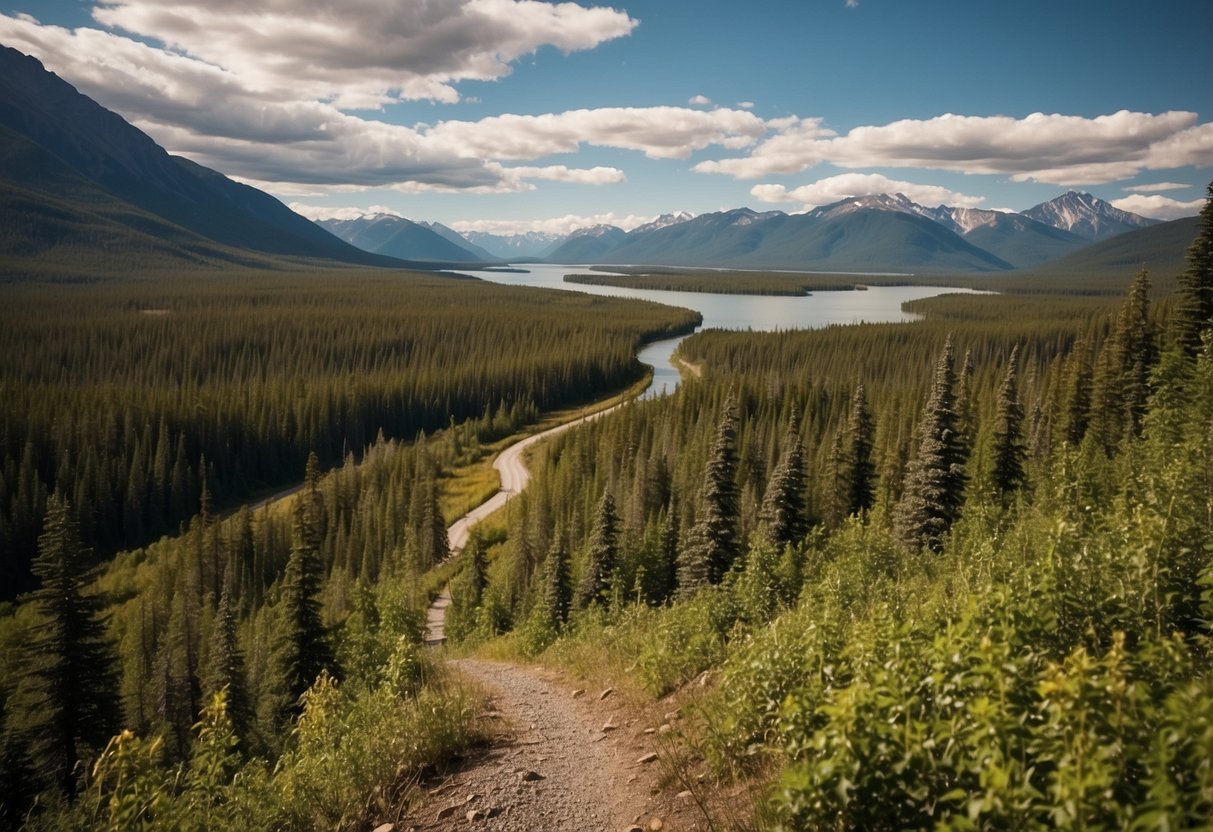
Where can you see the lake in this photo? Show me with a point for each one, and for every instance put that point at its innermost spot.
(878, 304)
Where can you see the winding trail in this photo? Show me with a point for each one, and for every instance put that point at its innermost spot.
(566, 761)
(511, 467)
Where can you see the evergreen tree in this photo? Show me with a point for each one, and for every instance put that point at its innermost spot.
(714, 540)
(435, 545)
(860, 474)
(934, 483)
(1076, 403)
(1193, 311)
(303, 646)
(225, 668)
(1008, 451)
(783, 512)
(67, 704)
(595, 585)
(966, 407)
(1122, 382)
(557, 584)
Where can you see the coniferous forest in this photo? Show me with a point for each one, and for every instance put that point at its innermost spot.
(955, 573)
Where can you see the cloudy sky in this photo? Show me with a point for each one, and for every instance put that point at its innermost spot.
(510, 115)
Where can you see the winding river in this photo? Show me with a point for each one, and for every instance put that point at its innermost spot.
(878, 304)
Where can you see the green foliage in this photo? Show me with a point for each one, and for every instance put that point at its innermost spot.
(598, 575)
(116, 389)
(65, 705)
(935, 479)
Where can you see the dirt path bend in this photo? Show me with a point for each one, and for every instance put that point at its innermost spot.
(511, 468)
(558, 769)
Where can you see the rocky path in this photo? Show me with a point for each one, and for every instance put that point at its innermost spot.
(567, 760)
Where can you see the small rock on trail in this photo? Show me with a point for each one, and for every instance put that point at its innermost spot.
(556, 772)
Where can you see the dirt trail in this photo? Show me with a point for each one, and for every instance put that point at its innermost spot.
(558, 769)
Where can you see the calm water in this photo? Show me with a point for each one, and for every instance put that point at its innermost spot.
(879, 304)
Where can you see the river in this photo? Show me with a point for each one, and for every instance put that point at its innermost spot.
(878, 304)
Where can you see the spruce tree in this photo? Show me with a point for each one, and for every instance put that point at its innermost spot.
(783, 506)
(225, 668)
(435, 544)
(860, 474)
(1193, 311)
(716, 532)
(1122, 381)
(1008, 451)
(595, 584)
(1076, 401)
(303, 646)
(935, 479)
(557, 585)
(67, 703)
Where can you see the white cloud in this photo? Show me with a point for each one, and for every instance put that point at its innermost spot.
(1159, 207)
(699, 100)
(367, 52)
(552, 225)
(305, 146)
(657, 132)
(835, 188)
(1057, 149)
(852, 4)
(745, 105)
(1154, 187)
(324, 212)
(580, 176)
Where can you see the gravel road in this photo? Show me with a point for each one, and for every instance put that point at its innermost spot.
(557, 769)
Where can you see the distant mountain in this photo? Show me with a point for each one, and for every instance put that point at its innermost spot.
(664, 221)
(395, 236)
(880, 232)
(587, 245)
(515, 246)
(460, 240)
(77, 180)
(845, 237)
(1089, 217)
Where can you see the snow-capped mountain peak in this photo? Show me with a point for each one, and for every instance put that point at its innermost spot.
(664, 221)
(1085, 215)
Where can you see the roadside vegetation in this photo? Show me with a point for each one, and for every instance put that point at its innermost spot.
(124, 395)
(950, 574)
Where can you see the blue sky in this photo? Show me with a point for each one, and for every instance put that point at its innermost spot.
(507, 115)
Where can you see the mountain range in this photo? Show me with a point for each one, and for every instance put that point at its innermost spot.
(885, 232)
(78, 183)
(877, 233)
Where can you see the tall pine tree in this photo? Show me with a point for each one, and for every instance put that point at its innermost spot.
(783, 512)
(557, 586)
(713, 544)
(67, 703)
(224, 669)
(935, 478)
(1008, 444)
(595, 584)
(860, 473)
(1193, 311)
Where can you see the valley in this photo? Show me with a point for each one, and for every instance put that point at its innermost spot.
(380, 451)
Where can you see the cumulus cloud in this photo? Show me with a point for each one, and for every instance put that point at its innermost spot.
(1056, 149)
(580, 176)
(699, 100)
(1155, 187)
(843, 186)
(657, 132)
(306, 146)
(566, 224)
(1159, 207)
(365, 53)
(325, 212)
